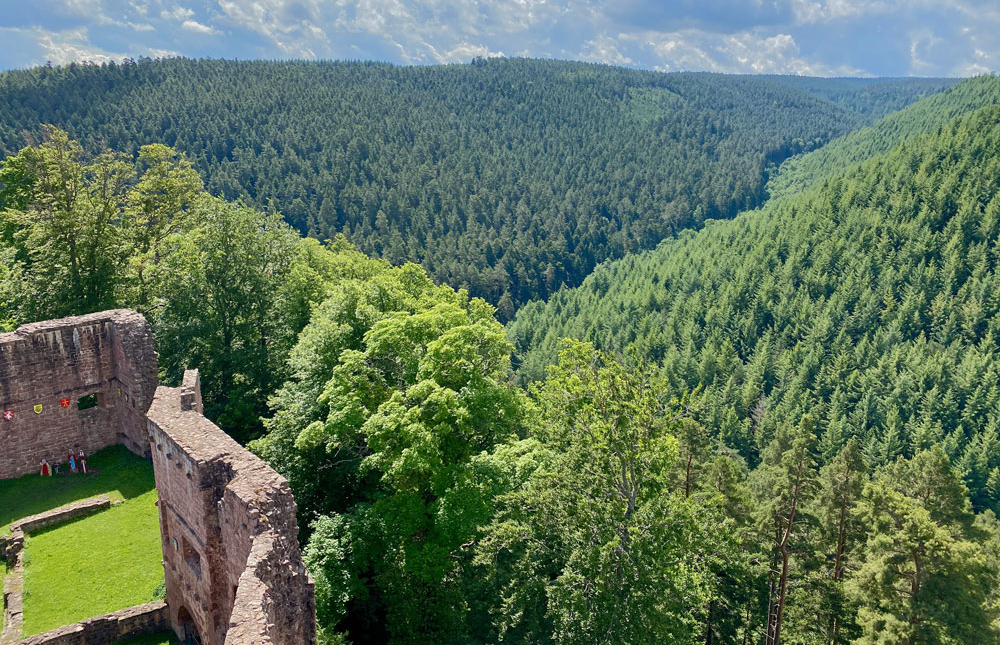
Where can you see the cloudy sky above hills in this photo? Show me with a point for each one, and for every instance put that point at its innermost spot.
(812, 37)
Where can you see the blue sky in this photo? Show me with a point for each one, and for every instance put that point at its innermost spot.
(812, 37)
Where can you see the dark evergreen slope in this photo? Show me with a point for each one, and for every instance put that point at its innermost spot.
(927, 115)
(509, 177)
(871, 97)
(871, 302)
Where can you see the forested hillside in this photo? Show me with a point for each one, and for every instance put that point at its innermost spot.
(870, 302)
(793, 437)
(801, 171)
(789, 444)
(507, 177)
(873, 98)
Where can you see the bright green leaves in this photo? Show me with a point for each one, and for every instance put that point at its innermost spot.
(427, 388)
(400, 390)
(216, 303)
(596, 546)
(64, 223)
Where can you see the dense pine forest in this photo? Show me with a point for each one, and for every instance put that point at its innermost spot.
(509, 178)
(776, 426)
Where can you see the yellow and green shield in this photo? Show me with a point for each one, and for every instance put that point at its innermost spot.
(38, 408)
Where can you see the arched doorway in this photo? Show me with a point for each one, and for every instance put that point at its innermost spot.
(188, 629)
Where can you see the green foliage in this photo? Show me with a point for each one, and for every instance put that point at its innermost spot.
(399, 390)
(873, 98)
(923, 117)
(506, 177)
(783, 484)
(840, 532)
(924, 576)
(62, 238)
(216, 293)
(596, 545)
(225, 287)
(713, 486)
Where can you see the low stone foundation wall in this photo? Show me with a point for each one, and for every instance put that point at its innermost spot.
(62, 514)
(13, 587)
(110, 628)
(11, 547)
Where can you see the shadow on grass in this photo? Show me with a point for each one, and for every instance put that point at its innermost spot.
(160, 638)
(114, 471)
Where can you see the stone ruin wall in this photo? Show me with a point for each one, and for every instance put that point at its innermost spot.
(232, 563)
(109, 354)
(228, 529)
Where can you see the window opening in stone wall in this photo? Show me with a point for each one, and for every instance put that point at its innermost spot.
(87, 402)
(192, 558)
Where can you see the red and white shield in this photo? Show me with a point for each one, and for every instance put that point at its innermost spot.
(64, 402)
(8, 415)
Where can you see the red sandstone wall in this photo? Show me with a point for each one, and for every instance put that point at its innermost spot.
(41, 363)
(235, 574)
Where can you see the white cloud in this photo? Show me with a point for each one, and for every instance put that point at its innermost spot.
(813, 11)
(462, 53)
(154, 52)
(823, 37)
(72, 45)
(198, 28)
(289, 28)
(420, 31)
(178, 13)
(604, 49)
(739, 53)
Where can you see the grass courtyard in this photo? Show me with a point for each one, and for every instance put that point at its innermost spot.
(114, 471)
(93, 565)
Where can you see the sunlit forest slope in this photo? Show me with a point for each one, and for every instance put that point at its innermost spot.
(871, 301)
(508, 177)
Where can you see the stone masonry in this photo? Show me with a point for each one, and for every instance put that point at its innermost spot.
(107, 354)
(232, 563)
(230, 550)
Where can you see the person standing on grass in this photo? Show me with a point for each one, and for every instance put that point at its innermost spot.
(72, 462)
(46, 471)
(81, 461)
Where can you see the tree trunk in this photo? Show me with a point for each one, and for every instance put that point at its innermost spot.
(838, 565)
(687, 476)
(775, 635)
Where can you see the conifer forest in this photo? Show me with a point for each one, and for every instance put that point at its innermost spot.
(554, 352)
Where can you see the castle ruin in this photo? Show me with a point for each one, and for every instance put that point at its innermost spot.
(232, 564)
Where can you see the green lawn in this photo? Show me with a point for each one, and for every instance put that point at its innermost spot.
(164, 638)
(121, 475)
(92, 566)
